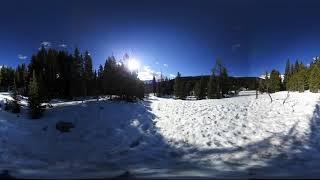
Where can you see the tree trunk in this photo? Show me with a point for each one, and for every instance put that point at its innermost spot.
(284, 101)
(270, 97)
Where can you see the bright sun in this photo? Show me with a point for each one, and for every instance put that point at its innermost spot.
(133, 65)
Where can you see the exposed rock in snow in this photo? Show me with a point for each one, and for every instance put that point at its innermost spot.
(64, 126)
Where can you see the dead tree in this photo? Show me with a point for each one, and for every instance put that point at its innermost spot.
(269, 93)
(270, 97)
(284, 101)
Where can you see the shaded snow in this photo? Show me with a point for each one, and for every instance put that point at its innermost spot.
(239, 136)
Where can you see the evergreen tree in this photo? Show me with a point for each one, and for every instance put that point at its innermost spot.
(95, 88)
(76, 73)
(188, 88)
(34, 99)
(154, 85)
(275, 81)
(302, 81)
(287, 74)
(87, 74)
(299, 79)
(109, 76)
(224, 81)
(292, 70)
(15, 103)
(200, 88)
(296, 66)
(262, 85)
(51, 73)
(160, 86)
(218, 84)
(179, 87)
(212, 88)
(167, 87)
(314, 78)
(6, 78)
(100, 80)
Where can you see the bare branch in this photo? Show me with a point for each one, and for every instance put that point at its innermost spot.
(270, 97)
(284, 101)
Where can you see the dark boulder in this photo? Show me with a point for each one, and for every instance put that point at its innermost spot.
(64, 126)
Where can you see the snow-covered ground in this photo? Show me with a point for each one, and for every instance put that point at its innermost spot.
(232, 137)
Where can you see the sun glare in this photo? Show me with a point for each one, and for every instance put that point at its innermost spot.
(133, 65)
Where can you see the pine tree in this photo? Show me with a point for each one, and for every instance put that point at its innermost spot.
(262, 85)
(109, 76)
(275, 81)
(179, 87)
(218, 84)
(158, 88)
(76, 73)
(287, 74)
(15, 103)
(6, 78)
(218, 71)
(314, 78)
(154, 85)
(212, 88)
(224, 81)
(34, 98)
(87, 74)
(167, 87)
(100, 80)
(200, 88)
(296, 66)
(267, 82)
(302, 81)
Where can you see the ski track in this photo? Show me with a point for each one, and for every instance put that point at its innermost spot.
(240, 136)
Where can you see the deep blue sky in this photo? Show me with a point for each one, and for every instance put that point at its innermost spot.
(249, 36)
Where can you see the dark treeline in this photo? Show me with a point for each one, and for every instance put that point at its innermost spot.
(59, 74)
(218, 85)
(297, 77)
(54, 73)
(162, 87)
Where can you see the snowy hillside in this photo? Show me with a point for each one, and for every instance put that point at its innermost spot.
(240, 136)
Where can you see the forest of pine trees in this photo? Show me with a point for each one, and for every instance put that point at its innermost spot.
(54, 73)
(218, 85)
(59, 74)
(297, 77)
